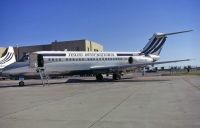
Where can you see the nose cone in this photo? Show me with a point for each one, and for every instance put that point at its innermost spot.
(1, 72)
(4, 72)
(9, 70)
(16, 69)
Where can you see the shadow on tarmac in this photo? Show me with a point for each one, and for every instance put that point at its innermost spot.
(30, 85)
(77, 80)
(111, 80)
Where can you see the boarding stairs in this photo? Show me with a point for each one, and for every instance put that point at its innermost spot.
(43, 76)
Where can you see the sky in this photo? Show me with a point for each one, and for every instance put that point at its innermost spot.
(119, 25)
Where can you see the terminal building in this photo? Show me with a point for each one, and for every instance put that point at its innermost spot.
(73, 45)
(2, 51)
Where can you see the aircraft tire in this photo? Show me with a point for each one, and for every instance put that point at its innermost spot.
(21, 83)
(116, 76)
(99, 77)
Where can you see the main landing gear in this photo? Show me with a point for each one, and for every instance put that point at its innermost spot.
(21, 83)
(116, 76)
(99, 77)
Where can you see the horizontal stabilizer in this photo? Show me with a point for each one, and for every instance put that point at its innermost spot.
(173, 61)
(173, 33)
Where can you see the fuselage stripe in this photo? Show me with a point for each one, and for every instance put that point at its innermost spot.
(53, 54)
(118, 54)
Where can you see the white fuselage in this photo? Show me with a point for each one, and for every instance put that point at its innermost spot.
(64, 62)
(74, 61)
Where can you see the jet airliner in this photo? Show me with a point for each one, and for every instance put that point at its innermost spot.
(47, 63)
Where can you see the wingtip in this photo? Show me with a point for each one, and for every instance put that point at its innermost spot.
(190, 30)
(173, 33)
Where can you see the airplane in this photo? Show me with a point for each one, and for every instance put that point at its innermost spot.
(8, 58)
(49, 63)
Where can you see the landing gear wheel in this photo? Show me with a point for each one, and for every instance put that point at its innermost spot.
(99, 77)
(21, 83)
(116, 76)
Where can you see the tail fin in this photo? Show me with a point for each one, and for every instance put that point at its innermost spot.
(156, 42)
(8, 57)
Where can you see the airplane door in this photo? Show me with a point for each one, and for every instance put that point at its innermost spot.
(36, 60)
(40, 60)
(33, 60)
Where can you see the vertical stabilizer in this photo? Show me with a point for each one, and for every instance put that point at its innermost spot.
(156, 42)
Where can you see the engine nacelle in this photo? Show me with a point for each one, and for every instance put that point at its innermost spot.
(140, 59)
(154, 57)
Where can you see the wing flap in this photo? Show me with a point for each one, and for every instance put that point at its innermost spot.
(138, 65)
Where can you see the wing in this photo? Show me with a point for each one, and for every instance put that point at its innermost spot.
(106, 69)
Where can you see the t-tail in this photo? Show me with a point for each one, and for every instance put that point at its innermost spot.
(156, 42)
(7, 58)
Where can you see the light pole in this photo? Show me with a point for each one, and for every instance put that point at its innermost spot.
(17, 52)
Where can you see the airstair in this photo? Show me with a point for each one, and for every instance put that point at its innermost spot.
(36, 61)
(43, 76)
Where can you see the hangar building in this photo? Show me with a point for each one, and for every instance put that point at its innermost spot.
(73, 45)
(2, 51)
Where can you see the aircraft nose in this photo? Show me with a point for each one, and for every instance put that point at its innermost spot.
(4, 73)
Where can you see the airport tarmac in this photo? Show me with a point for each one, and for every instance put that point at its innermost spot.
(139, 102)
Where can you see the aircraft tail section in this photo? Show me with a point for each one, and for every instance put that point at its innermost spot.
(156, 42)
(8, 57)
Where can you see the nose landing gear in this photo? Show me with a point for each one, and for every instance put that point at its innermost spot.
(116, 76)
(21, 79)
